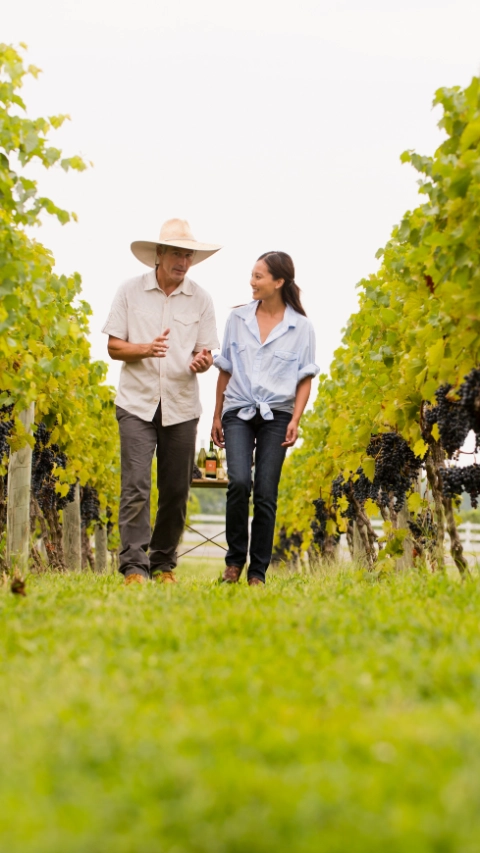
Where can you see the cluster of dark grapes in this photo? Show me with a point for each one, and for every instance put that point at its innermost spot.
(470, 399)
(359, 489)
(319, 523)
(456, 480)
(456, 417)
(45, 458)
(396, 468)
(110, 525)
(424, 529)
(450, 416)
(286, 546)
(89, 506)
(6, 426)
(341, 487)
(68, 499)
(321, 511)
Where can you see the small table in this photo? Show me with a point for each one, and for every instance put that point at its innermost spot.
(206, 483)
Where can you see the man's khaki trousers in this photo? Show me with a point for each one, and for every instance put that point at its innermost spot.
(145, 551)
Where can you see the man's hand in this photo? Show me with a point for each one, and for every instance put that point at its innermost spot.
(202, 361)
(292, 434)
(121, 350)
(217, 431)
(158, 348)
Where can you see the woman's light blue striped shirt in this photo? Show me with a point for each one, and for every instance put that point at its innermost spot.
(265, 376)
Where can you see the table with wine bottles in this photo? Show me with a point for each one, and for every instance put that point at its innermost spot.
(208, 483)
(212, 465)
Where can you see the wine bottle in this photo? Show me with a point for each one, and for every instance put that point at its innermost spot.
(211, 463)
(201, 459)
(222, 465)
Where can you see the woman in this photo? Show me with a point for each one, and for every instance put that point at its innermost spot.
(266, 368)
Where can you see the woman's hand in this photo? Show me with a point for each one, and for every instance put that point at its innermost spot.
(291, 435)
(301, 399)
(217, 431)
(217, 428)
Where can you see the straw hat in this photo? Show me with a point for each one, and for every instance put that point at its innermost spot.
(174, 232)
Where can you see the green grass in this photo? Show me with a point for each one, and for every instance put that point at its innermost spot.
(327, 714)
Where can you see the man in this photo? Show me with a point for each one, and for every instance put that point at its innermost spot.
(162, 327)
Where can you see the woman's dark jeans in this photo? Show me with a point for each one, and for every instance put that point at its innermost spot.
(240, 439)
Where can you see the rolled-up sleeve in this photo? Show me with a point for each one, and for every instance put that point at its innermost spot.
(207, 337)
(307, 366)
(224, 360)
(117, 321)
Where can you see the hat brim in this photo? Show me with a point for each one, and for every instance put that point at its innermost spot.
(146, 251)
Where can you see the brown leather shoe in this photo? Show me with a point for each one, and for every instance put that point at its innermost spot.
(255, 582)
(135, 578)
(231, 574)
(165, 577)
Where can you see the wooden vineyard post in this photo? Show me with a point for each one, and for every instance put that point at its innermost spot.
(406, 560)
(72, 533)
(359, 552)
(18, 506)
(100, 548)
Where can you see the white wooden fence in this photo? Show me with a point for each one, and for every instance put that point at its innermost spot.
(469, 534)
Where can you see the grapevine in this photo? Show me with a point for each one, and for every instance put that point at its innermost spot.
(46, 460)
(287, 547)
(6, 426)
(424, 532)
(325, 541)
(408, 367)
(356, 491)
(45, 352)
(320, 520)
(89, 506)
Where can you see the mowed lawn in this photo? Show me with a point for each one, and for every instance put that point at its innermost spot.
(332, 713)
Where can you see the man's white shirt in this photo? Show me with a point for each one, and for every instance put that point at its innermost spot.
(140, 313)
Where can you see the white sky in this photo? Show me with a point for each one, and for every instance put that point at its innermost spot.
(266, 124)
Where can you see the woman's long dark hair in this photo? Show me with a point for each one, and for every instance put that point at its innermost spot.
(280, 265)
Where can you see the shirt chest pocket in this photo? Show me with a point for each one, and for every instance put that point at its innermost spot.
(185, 329)
(285, 369)
(239, 357)
(239, 350)
(144, 325)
